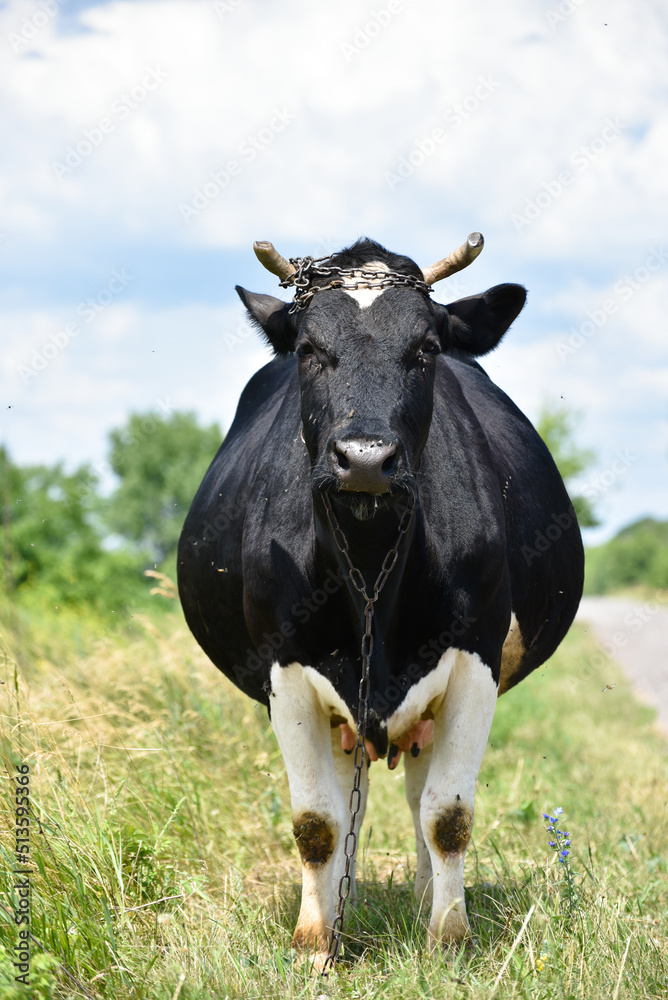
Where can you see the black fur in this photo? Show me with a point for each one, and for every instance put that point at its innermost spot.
(260, 578)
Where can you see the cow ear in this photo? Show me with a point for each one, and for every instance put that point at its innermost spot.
(477, 324)
(272, 316)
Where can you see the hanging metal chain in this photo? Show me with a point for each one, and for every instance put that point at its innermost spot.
(342, 277)
(366, 649)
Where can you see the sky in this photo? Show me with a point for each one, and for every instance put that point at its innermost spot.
(147, 143)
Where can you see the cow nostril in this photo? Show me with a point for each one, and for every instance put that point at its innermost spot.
(364, 465)
(342, 460)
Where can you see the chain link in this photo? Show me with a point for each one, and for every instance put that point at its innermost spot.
(341, 277)
(366, 650)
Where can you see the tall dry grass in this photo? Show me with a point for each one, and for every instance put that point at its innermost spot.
(164, 859)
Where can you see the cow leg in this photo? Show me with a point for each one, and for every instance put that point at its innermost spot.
(461, 726)
(416, 769)
(302, 726)
(345, 771)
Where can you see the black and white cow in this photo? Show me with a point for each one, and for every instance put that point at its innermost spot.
(373, 399)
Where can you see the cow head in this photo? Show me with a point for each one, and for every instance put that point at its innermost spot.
(367, 359)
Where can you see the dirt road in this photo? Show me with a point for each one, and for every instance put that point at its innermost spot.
(636, 636)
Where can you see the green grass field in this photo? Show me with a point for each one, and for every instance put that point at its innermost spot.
(163, 857)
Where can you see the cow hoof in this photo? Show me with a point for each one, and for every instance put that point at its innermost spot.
(451, 929)
(309, 960)
(311, 946)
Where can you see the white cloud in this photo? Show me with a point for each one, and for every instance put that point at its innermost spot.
(195, 358)
(225, 76)
(516, 94)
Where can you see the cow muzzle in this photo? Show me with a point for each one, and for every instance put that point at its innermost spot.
(365, 465)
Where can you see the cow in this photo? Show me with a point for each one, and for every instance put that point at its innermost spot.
(373, 446)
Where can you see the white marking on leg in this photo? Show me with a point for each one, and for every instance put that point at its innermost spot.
(416, 769)
(301, 722)
(461, 728)
(345, 771)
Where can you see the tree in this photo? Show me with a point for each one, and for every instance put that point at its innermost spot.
(160, 462)
(556, 426)
(637, 555)
(51, 544)
(64, 544)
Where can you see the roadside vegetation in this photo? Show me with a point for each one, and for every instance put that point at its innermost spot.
(81, 539)
(164, 862)
(636, 557)
(635, 560)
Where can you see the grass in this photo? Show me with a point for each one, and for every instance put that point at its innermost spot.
(165, 865)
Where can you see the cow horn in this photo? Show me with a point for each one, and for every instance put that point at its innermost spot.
(270, 258)
(456, 261)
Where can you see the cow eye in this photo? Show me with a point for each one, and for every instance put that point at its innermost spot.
(305, 350)
(430, 347)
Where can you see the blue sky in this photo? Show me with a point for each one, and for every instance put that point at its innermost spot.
(147, 143)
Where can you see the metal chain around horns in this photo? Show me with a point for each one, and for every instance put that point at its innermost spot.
(307, 268)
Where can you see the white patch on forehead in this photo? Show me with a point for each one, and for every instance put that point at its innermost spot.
(365, 296)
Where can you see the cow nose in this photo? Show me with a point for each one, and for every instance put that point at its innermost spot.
(365, 465)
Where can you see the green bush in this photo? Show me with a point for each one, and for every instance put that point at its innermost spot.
(637, 555)
(65, 544)
(54, 545)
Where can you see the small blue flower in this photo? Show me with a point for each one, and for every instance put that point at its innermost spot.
(546, 815)
(564, 854)
(558, 811)
(551, 843)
